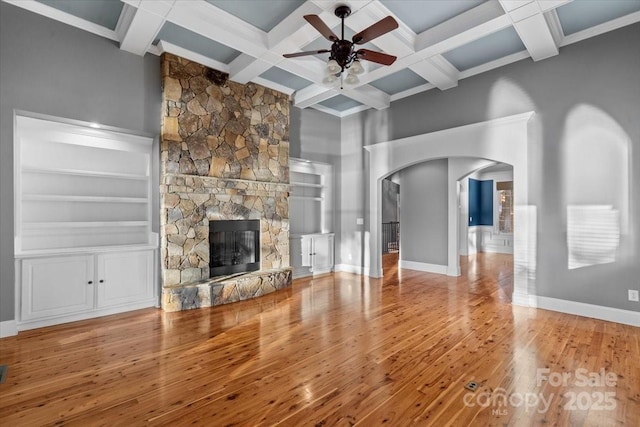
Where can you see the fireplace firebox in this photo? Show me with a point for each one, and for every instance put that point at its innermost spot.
(234, 246)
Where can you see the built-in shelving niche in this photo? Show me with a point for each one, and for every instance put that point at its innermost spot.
(79, 188)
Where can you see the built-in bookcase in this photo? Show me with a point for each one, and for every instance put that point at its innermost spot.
(79, 188)
(84, 245)
(311, 217)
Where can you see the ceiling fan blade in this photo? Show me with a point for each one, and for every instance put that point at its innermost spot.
(322, 28)
(373, 56)
(376, 30)
(309, 52)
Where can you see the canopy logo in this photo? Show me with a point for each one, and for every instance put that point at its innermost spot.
(596, 397)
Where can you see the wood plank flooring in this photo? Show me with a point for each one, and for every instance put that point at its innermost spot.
(337, 350)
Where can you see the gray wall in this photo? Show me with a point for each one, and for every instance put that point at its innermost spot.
(600, 73)
(51, 68)
(423, 201)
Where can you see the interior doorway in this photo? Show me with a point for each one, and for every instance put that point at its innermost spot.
(390, 216)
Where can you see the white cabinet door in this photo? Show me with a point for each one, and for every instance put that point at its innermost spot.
(322, 253)
(56, 286)
(125, 278)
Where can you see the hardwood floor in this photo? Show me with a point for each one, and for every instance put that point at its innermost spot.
(335, 350)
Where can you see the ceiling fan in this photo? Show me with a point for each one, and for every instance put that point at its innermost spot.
(344, 54)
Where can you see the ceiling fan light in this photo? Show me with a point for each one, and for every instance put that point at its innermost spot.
(333, 66)
(352, 79)
(329, 78)
(356, 67)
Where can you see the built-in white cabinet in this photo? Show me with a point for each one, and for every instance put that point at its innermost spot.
(83, 241)
(311, 217)
(317, 252)
(312, 254)
(124, 278)
(57, 287)
(66, 288)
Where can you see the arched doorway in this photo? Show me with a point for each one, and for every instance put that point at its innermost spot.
(503, 140)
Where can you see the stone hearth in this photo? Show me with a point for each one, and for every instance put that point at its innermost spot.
(224, 155)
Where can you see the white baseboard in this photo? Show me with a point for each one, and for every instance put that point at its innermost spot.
(91, 314)
(348, 268)
(610, 314)
(8, 328)
(497, 249)
(423, 266)
(355, 269)
(524, 300)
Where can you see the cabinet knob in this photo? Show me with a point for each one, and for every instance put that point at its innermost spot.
(101, 281)
(90, 282)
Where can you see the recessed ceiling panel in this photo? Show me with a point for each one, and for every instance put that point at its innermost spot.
(582, 14)
(340, 103)
(101, 12)
(261, 14)
(420, 15)
(398, 82)
(194, 42)
(494, 46)
(285, 78)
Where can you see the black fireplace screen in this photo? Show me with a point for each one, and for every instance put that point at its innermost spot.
(234, 246)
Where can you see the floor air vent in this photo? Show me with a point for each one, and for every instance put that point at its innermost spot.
(3, 373)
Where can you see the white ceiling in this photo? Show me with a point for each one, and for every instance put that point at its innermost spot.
(438, 42)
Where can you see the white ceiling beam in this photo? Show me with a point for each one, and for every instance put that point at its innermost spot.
(289, 36)
(218, 25)
(167, 47)
(605, 27)
(245, 68)
(553, 21)
(398, 42)
(138, 28)
(368, 95)
(438, 71)
(482, 20)
(548, 5)
(532, 28)
(312, 95)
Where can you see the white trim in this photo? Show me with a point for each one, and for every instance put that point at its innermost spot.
(504, 140)
(324, 109)
(614, 24)
(164, 46)
(626, 317)
(348, 268)
(412, 91)
(523, 299)
(92, 314)
(496, 63)
(423, 266)
(8, 328)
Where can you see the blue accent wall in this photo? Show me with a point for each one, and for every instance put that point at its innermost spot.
(480, 202)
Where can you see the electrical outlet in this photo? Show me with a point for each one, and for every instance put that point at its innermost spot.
(633, 295)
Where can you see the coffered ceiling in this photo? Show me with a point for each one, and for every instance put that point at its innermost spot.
(438, 42)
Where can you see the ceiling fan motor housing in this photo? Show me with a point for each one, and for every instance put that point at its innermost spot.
(342, 11)
(342, 51)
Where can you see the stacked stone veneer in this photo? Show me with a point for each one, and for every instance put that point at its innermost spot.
(224, 155)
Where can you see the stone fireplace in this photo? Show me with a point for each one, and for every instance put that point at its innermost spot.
(224, 156)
